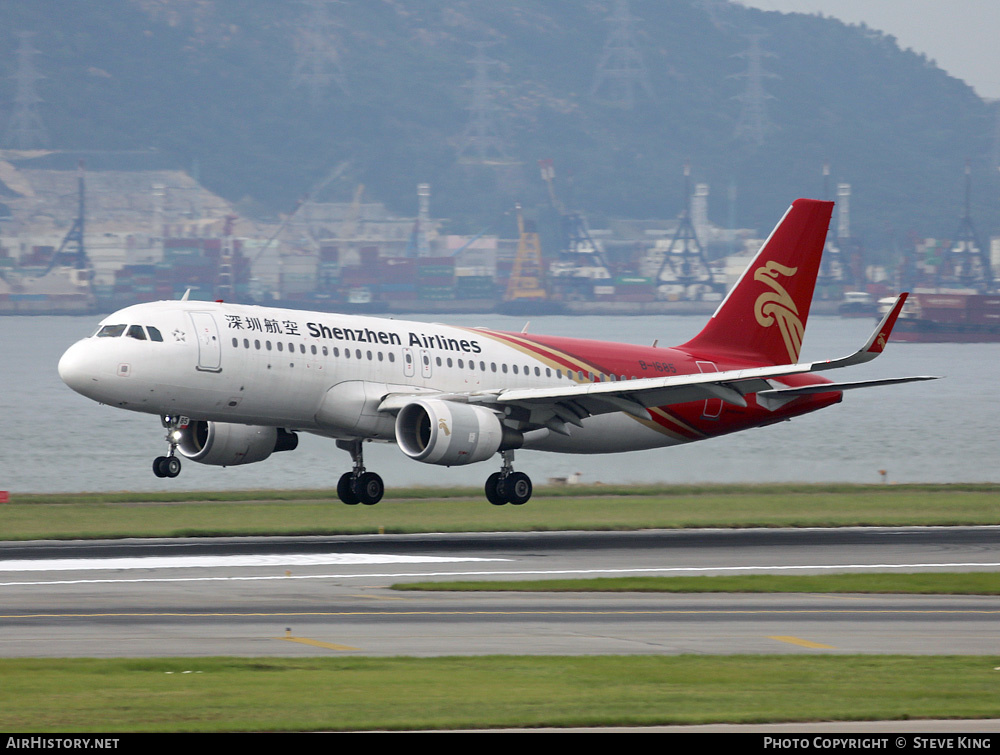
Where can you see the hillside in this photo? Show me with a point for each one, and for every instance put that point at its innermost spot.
(211, 85)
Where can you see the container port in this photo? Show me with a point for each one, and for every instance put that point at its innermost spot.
(80, 242)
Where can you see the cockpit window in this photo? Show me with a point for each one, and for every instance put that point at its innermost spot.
(154, 334)
(111, 331)
(136, 332)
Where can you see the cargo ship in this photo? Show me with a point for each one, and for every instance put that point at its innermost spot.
(947, 316)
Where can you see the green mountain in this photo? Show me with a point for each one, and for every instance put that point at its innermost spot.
(266, 97)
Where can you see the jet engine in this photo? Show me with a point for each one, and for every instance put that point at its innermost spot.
(450, 434)
(225, 445)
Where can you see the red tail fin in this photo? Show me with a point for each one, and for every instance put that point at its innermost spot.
(763, 318)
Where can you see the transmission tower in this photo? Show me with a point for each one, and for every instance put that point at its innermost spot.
(25, 129)
(621, 71)
(482, 142)
(753, 125)
(317, 64)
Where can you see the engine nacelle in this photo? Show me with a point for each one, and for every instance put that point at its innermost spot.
(226, 445)
(450, 434)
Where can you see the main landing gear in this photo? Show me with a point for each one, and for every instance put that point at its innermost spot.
(508, 486)
(170, 465)
(358, 486)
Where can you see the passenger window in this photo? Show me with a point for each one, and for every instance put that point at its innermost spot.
(111, 331)
(154, 334)
(136, 332)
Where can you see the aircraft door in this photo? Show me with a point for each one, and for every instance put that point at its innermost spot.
(209, 346)
(713, 406)
(425, 363)
(408, 367)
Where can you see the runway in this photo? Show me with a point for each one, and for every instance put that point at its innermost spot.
(331, 595)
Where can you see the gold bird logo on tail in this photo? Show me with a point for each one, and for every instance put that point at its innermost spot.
(777, 306)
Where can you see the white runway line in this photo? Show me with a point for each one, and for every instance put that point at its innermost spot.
(361, 559)
(212, 562)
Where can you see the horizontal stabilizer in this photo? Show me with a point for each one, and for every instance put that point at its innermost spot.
(778, 397)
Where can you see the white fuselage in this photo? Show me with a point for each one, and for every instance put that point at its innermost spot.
(318, 372)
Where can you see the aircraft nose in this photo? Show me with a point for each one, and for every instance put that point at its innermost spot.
(74, 368)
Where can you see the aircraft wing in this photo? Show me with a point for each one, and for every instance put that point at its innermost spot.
(554, 406)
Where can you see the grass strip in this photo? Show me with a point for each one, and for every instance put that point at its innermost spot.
(247, 513)
(964, 583)
(358, 694)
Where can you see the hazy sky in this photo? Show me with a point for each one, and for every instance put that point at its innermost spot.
(962, 36)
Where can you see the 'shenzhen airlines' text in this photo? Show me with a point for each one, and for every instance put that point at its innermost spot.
(390, 338)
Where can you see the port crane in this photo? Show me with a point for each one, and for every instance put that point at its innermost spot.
(581, 263)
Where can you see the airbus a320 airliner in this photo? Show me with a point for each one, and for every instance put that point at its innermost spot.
(235, 383)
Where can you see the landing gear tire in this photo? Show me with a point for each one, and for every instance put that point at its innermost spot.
(345, 489)
(358, 486)
(517, 488)
(166, 466)
(170, 465)
(508, 486)
(368, 488)
(494, 491)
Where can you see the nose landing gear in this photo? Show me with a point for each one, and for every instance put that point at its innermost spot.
(358, 486)
(508, 486)
(170, 465)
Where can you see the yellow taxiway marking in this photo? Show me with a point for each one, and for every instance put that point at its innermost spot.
(316, 643)
(802, 643)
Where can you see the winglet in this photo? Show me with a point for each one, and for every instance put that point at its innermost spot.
(875, 345)
(880, 337)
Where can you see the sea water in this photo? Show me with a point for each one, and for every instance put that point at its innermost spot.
(52, 439)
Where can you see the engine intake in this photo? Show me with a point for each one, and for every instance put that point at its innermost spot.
(451, 434)
(227, 445)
